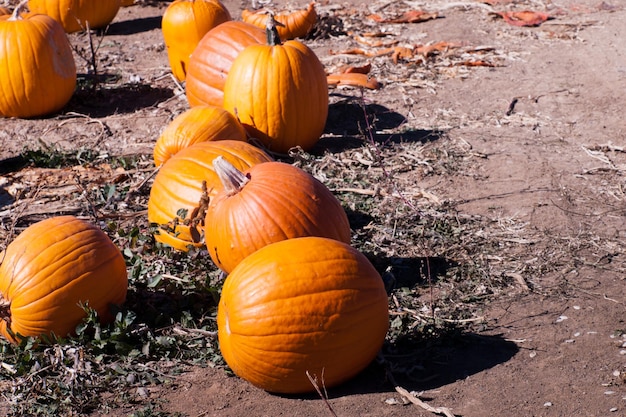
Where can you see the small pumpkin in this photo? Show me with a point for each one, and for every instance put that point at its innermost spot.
(53, 267)
(198, 124)
(305, 306)
(267, 203)
(292, 25)
(184, 24)
(38, 75)
(292, 82)
(177, 199)
(211, 60)
(78, 15)
(4, 10)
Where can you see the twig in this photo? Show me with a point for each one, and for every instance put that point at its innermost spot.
(323, 396)
(415, 400)
(412, 398)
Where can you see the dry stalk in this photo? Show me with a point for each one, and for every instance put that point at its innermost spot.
(324, 395)
(414, 399)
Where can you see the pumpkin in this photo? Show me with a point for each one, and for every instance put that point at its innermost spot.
(4, 10)
(77, 15)
(279, 93)
(126, 3)
(38, 75)
(50, 270)
(292, 25)
(305, 306)
(184, 23)
(198, 124)
(268, 203)
(211, 60)
(177, 199)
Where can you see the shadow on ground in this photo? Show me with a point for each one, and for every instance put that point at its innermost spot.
(351, 122)
(102, 101)
(131, 27)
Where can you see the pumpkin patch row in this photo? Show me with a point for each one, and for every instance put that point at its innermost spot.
(298, 302)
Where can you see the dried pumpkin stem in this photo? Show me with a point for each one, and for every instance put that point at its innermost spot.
(273, 38)
(231, 178)
(18, 10)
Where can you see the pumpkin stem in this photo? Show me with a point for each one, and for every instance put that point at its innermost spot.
(18, 10)
(273, 38)
(231, 178)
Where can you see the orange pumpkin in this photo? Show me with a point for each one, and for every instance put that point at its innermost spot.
(211, 60)
(38, 75)
(78, 15)
(292, 82)
(4, 10)
(184, 23)
(176, 198)
(52, 268)
(198, 124)
(292, 25)
(268, 203)
(301, 306)
(126, 3)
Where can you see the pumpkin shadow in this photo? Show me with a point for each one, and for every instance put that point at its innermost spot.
(6, 199)
(104, 101)
(134, 26)
(430, 356)
(420, 364)
(351, 122)
(12, 164)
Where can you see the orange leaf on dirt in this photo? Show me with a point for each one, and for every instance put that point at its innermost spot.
(427, 50)
(411, 16)
(348, 69)
(479, 63)
(524, 18)
(354, 79)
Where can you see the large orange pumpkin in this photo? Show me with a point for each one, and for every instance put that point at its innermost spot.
(198, 124)
(211, 60)
(301, 306)
(78, 15)
(268, 203)
(36, 63)
(184, 24)
(292, 25)
(52, 268)
(291, 82)
(175, 202)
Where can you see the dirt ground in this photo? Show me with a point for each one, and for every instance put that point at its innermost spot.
(540, 120)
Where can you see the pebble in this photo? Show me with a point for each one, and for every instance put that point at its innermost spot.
(561, 318)
(547, 404)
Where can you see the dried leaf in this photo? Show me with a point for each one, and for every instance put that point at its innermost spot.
(354, 79)
(400, 52)
(349, 69)
(427, 50)
(479, 63)
(375, 43)
(524, 18)
(411, 16)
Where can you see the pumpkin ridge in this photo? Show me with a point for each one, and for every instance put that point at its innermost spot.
(78, 243)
